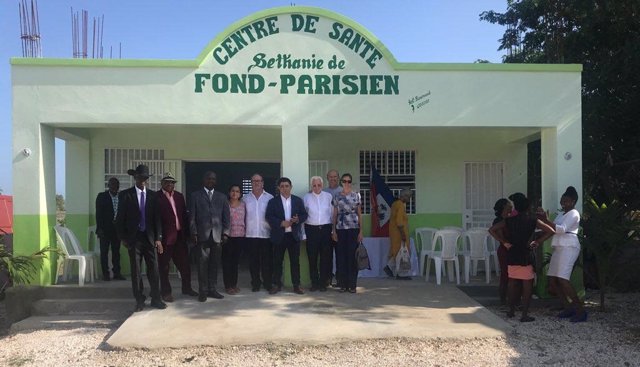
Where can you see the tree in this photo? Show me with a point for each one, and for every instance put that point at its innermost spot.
(608, 231)
(59, 203)
(603, 36)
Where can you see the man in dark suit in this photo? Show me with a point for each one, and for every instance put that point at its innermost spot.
(140, 230)
(209, 221)
(106, 209)
(175, 229)
(285, 215)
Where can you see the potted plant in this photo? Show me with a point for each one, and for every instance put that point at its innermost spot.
(18, 269)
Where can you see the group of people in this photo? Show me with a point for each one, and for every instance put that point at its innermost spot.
(515, 228)
(159, 227)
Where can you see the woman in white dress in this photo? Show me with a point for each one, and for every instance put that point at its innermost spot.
(566, 249)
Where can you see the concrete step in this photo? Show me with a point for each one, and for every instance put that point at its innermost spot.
(66, 322)
(93, 290)
(112, 307)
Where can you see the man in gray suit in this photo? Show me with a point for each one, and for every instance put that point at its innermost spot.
(209, 227)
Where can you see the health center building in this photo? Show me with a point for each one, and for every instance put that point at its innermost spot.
(291, 91)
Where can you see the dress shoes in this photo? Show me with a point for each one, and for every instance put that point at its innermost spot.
(322, 289)
(168, 298)
(190, 292)
(313, 289)
(106, 278)
(139, 307)
(255, 289)
(230, 291)
(298, 290)
(403, 278)
(202, 297)
(274, 290)
(158, 304)
(214, 294)
(119, 277)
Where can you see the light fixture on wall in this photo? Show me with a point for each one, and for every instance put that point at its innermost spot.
(567, 156)
(26, 152)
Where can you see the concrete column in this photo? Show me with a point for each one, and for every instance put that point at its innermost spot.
(78, 202)
(295, 156)
(561, 163)
(34, 189)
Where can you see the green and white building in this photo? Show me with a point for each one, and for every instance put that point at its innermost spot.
(292, 91)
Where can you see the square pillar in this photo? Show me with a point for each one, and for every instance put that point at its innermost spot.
(295, 156)
(34, 202)
(561, 154)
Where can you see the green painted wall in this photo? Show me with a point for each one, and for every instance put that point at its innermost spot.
(32, 233)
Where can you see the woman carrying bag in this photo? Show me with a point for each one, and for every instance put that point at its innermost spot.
(399, 238)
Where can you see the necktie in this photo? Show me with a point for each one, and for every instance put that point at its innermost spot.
(143, 225)
(210, 193)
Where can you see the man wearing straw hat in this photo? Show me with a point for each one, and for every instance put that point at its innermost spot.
(175, 229)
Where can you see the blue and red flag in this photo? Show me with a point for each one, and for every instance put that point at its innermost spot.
(381, 201)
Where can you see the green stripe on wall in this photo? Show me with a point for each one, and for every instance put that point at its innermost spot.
(32, 233)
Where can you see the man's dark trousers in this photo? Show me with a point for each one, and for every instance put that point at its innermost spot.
(207, 255)
(319, 248)
(143, 250)
(292, 246)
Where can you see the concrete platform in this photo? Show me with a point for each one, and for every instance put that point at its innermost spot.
(382, 308)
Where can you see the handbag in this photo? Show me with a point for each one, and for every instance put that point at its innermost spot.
(362, 257)
(403, 261)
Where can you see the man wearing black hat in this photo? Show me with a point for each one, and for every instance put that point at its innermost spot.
(175, 226)
(140, 230)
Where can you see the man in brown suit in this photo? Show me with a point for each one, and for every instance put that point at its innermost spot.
(175, 229)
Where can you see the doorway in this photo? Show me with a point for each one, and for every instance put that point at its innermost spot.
(483, 185)
(229, 173)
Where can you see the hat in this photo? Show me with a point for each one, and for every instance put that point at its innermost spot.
(169, 177)
(141, 170)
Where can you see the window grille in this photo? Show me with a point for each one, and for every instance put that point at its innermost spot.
(319, 168)
(396, 167)
(117, 161)
(246, 186)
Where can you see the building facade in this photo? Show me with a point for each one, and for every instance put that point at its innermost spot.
(292, 91)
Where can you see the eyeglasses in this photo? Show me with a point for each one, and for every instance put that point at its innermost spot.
(346, 181)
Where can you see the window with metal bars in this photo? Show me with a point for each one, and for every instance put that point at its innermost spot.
(117, 161)
(396, 167)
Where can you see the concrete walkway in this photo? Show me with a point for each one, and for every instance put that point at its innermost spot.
(382, 308)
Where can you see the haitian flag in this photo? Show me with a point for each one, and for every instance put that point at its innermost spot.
(381, 201)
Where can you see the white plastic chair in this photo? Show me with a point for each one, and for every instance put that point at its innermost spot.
(453, 228)
(475, 249)
(492, 246)
(68, 243)
(424, 235)
(93, 242)
(448, 252)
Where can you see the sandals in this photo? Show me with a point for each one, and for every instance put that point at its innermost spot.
(566, 313)
(527, 319)
(579, 318)
(510, 314)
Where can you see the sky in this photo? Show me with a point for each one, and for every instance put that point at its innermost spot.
(413, 30)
